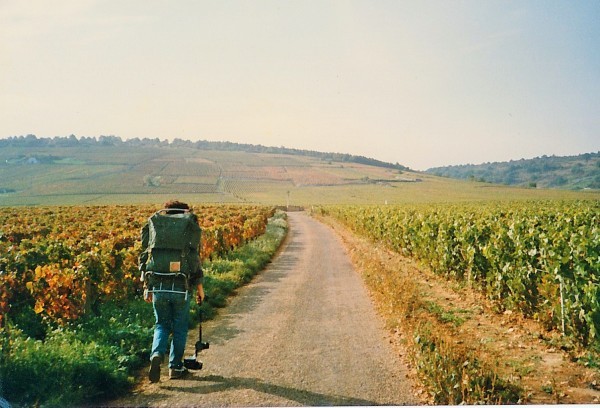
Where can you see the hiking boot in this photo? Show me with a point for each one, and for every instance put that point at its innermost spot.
(154, 373)
(175, 373)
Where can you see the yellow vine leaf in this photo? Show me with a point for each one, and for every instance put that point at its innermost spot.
(39, 307)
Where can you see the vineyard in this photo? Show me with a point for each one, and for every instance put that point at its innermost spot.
(541, 259)
(62, 268)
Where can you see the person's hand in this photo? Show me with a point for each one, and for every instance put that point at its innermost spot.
(200, 294)
(147, 296)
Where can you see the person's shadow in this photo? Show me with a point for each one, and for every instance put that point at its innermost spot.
(217, 383)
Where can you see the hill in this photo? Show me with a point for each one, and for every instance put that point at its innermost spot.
(73, 141)
(567, 172)
(72, 171)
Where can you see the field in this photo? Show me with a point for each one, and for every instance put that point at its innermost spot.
(83, 255)
(102, 175)
(541, 259)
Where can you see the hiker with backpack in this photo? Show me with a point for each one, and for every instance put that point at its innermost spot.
(171, 268)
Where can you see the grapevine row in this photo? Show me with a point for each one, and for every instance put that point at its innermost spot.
(60, 262)
(539, 258)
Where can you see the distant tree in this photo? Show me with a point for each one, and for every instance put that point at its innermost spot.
(559, 181)
(181, 143)
(156, 142)
(510, 178)
(577, 169)
(110, 141)
(87, 141)
(31, 141)
(70, 141)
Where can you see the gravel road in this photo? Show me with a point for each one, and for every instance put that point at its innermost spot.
(304, 332)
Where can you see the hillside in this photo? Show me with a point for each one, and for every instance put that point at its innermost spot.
(567, 172)
(73, 141)
(71, 171)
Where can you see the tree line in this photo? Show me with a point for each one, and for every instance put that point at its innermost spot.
(567, 172)
(73, 141)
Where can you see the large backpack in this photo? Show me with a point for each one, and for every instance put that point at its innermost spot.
(173, 242)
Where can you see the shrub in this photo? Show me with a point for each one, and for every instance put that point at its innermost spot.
(60, 371)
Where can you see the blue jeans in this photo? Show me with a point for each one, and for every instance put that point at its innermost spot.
(171, 311)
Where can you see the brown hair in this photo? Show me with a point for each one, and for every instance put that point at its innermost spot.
(176, 204)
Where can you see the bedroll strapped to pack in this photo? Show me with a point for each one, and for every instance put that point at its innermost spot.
(173, 245)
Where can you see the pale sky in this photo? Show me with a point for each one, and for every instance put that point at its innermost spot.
(421, 83)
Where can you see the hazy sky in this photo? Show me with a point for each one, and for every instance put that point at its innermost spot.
(422, 83)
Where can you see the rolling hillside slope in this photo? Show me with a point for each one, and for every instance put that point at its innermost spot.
(112, 173)
(567, 172)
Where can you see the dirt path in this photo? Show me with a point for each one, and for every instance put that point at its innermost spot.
(303, 333)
